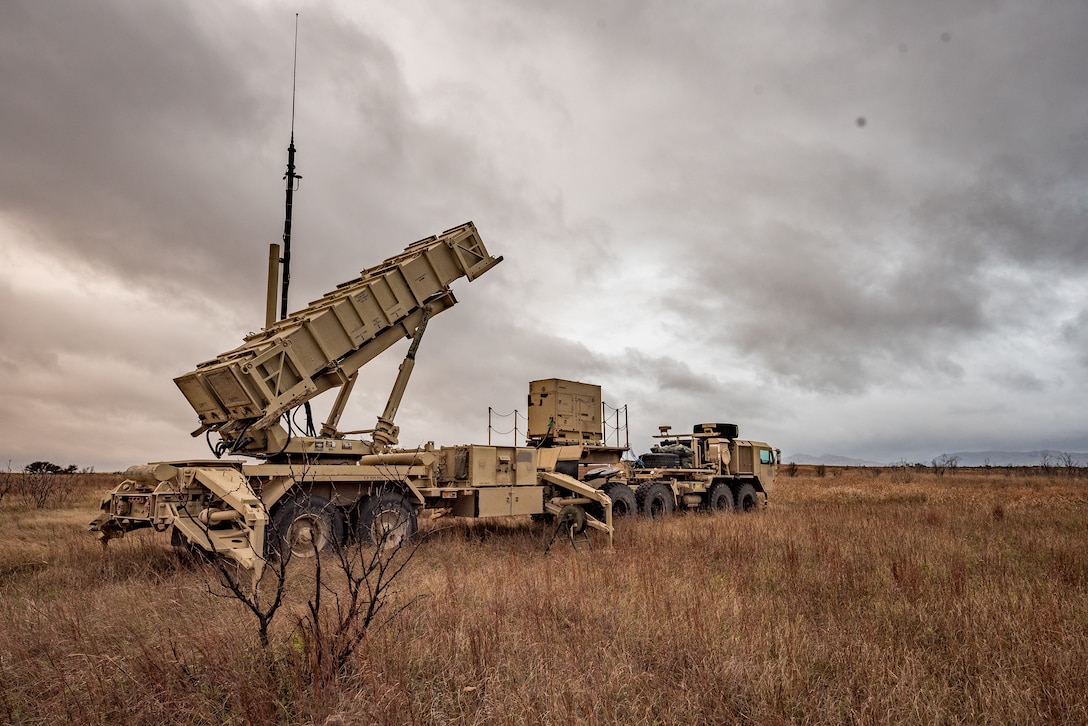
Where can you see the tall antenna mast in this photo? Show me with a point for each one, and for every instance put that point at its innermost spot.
(292, 184)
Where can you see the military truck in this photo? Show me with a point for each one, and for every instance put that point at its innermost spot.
(710, 469)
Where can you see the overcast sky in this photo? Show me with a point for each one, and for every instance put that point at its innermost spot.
(857, 228)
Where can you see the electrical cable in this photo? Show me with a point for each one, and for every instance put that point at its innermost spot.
(289, 430)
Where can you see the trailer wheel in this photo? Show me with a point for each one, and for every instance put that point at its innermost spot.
(307, 524)
(654, 500)
(719, 498)
(623, 500)
(388, 519)
(572, 519)
(747, 499)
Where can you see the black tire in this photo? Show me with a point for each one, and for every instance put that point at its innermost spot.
(747, 499)
(719, 498)
(306, 524)
(387, 519)
(572, 519)
(655, 500)
(660, 461)
(623, 500)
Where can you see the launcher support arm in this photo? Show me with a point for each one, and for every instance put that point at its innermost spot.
(386, 432)
(328, 429)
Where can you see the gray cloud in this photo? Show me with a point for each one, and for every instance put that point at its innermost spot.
(1075, 333)
(690, 212)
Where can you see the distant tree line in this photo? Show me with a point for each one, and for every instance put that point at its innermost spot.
(48, 467)
(39, 484)
(1051, 463)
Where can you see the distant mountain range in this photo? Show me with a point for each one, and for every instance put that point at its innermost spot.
(828, 460)
(963, 458)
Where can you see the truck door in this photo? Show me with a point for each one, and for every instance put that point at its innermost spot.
(745, 463)
(767, 466)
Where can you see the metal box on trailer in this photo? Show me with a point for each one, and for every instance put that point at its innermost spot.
(564, 411)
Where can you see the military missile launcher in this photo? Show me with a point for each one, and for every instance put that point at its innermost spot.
(311, 490)
(302, 491)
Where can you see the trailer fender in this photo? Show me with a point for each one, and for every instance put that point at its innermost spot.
(274, 491)
(242, 542)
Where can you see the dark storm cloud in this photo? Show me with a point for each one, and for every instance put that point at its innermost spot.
(826, 318)
(842, 258)
(150, 141)
(843, 309)
(1075, 333)
(1026, 211)
(691, 213)
(122, 114)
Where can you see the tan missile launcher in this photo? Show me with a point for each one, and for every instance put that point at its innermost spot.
(311, 490)
(242, 394)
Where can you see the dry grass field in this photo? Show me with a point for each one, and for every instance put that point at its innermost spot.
(859, 597)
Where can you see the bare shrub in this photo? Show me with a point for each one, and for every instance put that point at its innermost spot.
(1046, 463)
(348, 598)
(1070, 467)
(945, 463)
(7, 481)
(42, 484)
(261, 598)
(352, 590)
(901, 473)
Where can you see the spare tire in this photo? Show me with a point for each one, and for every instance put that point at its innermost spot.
(661, 461)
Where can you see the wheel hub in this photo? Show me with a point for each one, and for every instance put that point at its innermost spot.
(305, 534)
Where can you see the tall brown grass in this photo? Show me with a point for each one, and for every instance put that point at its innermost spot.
(852, 598)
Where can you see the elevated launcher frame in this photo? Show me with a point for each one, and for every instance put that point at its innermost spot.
(310, 489)
(244, 394)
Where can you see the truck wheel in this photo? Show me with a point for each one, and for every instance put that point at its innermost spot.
(654, 500)
(719, 498)
(747, 499)
(623, 500)
(388, 519)
(305, 525)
